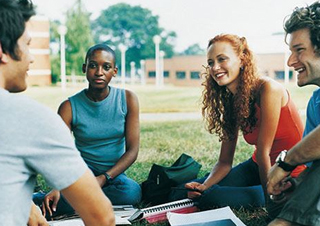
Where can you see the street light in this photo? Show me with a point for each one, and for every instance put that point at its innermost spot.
(62, 30)
(133, 71)
(161, 77)
(157, 40)
(123, 50)
(142, 69)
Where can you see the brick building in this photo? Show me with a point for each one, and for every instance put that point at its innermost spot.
(187, 70)
(40, 69)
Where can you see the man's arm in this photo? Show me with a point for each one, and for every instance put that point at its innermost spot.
(308, 149)
(87, 198)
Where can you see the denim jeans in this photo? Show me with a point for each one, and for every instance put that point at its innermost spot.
(121, 191)
(240, 188)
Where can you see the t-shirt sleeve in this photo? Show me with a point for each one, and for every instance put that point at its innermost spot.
(53, 153)
(311, 116)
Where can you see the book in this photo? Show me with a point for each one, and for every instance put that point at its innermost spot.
(159, 213)
(121, 212)
(217, 217)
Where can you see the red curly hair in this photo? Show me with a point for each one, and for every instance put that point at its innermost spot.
(224, 112)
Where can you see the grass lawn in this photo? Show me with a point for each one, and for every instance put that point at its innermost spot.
(164, 142)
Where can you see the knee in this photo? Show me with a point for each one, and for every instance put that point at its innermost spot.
(134, 195)
(280, 222)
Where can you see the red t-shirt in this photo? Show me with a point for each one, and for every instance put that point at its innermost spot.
(289, 132)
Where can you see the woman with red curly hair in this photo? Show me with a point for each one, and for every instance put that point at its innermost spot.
(236, 99)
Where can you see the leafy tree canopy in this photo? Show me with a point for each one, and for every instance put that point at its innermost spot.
(134, 27)
(78, 38)
(194, 49)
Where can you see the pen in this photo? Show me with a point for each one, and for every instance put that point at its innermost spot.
(186, 189)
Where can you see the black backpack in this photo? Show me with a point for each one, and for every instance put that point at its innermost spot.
(156, 189)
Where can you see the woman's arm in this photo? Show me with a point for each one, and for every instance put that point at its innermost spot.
(65, 112)
(219, 171)
(273, 97)
(224, 164)
(132, 133)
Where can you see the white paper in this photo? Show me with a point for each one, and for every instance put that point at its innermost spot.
(79, 222)
(177, 219)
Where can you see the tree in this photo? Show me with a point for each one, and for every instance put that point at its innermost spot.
(55, 49)
(134, 27)
(78, 38)
(194, 49)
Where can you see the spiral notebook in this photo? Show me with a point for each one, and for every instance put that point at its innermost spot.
(159, 213)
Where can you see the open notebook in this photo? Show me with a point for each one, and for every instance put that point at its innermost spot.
(159, 213)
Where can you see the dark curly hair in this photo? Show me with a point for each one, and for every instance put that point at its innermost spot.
(13, 15)
(224, 112)
(306, 17)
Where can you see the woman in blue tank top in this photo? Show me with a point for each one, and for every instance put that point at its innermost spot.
(105, 123)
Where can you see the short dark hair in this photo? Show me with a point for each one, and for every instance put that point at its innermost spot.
(101, 46)
(13, 16)
(306, 17)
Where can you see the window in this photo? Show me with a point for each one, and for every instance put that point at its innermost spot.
(166, 74)
(280, 74)
(180, 74)
(195, 75)
(152, 74)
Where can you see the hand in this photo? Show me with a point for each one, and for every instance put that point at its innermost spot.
(36, 218)
(195, 185)
(277, 180)
(52, 197)
(101, 180)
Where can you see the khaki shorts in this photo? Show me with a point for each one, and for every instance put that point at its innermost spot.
(303, 206)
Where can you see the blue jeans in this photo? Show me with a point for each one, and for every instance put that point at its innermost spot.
(240, 188)
(121, 191)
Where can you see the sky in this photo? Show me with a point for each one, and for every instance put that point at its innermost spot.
(197, 21)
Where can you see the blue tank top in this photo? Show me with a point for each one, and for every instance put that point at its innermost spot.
(99, 128)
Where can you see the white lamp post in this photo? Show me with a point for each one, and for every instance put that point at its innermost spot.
(62, 31)
(157, 40)
(142, 69)
(132, 71)
(161, 77)
(123, 50)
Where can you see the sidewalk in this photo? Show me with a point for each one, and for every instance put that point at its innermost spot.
(170, 116)
(176, 116)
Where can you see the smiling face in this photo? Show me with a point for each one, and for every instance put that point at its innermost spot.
(100, 68)
(224, 65)
(303, 58)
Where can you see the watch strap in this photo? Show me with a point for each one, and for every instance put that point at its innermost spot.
(108, 178)
(285, 166)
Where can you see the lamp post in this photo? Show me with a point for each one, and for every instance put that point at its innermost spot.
(142, 69)
(123, 50)
(62, 30)
(161, 77)
(157, 40)
(132, 71)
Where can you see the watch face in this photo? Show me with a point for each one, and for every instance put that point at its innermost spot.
(281, 156)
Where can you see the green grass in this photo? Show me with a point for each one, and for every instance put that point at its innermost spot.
(164, 142)
(167, 99)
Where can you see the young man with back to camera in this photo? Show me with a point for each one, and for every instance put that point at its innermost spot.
(34, 139)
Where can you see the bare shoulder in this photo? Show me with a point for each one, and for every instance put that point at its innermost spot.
(131, 97)
(270, 86)
(64, 107)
